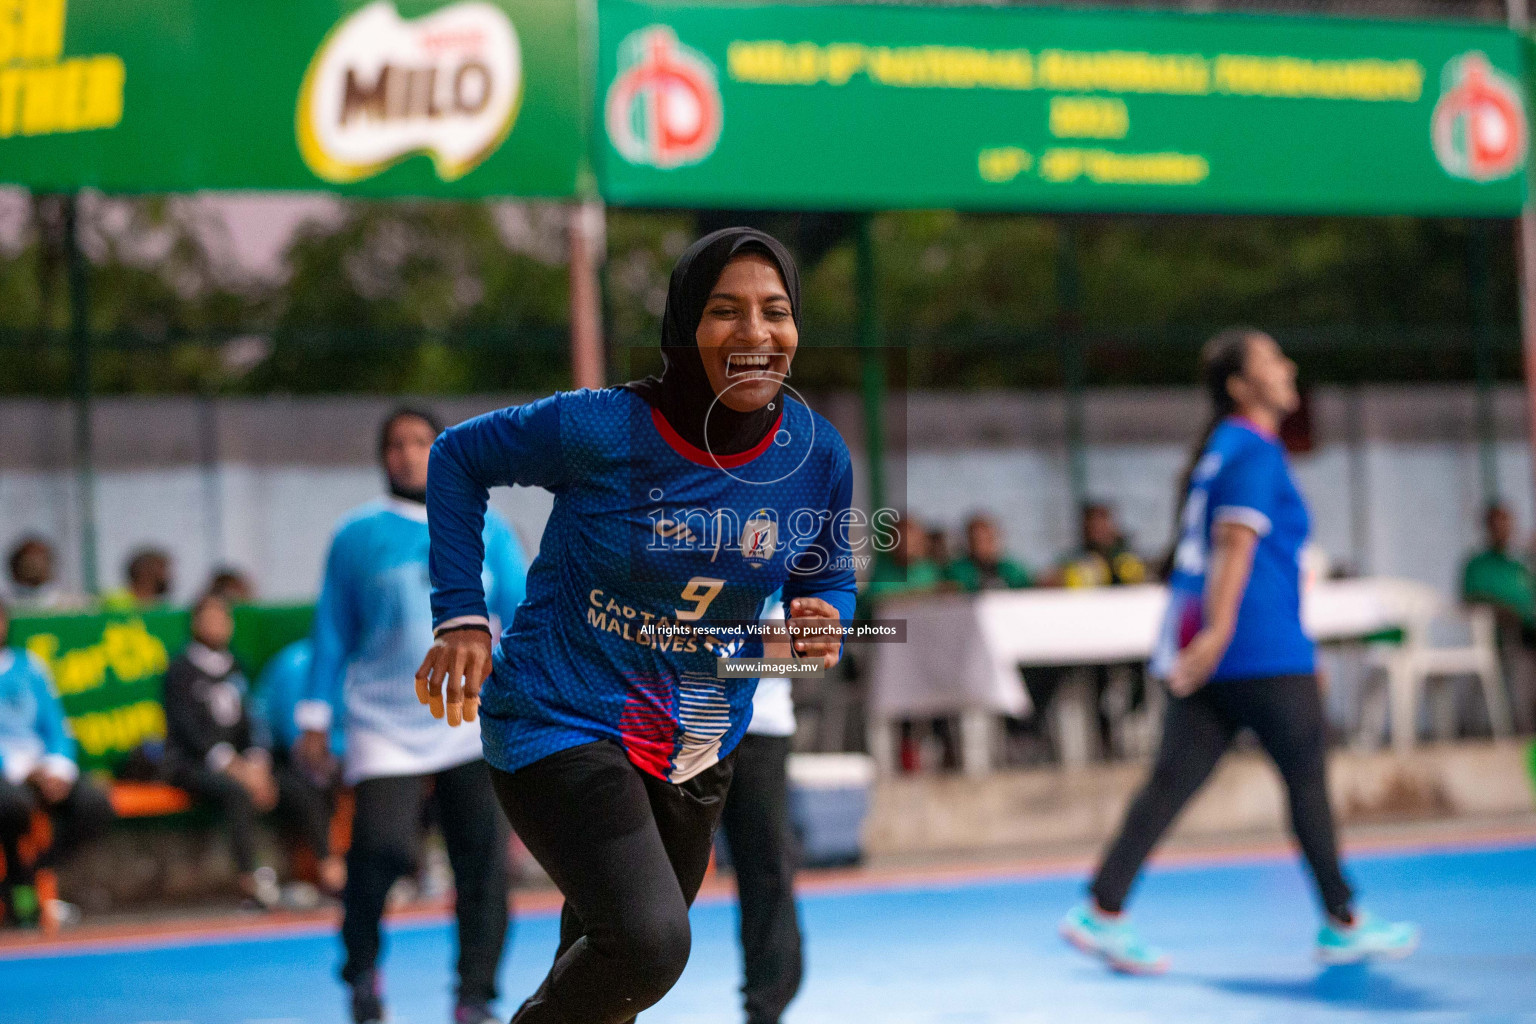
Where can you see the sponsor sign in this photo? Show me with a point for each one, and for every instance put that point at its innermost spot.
(381, 88)
(887, 106)
(108, 669)
(451, 98)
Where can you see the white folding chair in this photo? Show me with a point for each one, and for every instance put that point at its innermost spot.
(1419, 658)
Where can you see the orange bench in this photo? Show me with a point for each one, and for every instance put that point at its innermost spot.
(148, 799)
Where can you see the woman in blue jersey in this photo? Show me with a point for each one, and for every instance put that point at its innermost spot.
(1234, 656)
(684, 500)
(372, 627)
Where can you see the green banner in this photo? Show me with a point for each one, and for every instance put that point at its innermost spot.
(455, 98)
(109, 668)
(873, 106)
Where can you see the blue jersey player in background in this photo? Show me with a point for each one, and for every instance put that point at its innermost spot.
(684, 499)
(1235, 656)
(373, 624)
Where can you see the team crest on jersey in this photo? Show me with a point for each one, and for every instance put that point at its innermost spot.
(759, 538)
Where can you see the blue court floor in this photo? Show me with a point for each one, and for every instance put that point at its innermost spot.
(967, 952)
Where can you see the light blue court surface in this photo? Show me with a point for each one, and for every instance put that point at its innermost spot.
(975, 952)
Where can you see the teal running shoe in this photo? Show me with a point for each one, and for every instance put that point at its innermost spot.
(1367, 939)
(1111, 939)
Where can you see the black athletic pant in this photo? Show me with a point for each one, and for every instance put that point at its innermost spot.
(308, 804)
(386, 826)
(1286, 713)
(756, 825)
(629, 852)
(77, 819)
(299, 803)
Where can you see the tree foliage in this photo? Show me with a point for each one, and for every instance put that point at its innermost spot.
(464, 297)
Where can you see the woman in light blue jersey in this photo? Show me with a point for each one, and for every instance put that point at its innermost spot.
(680, 501)
(373, 623)
(1234, 656)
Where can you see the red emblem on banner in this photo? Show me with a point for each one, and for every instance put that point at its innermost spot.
(1479, 127)
(663, 108)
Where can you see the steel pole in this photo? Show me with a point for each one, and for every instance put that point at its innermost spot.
(1525, 257)
(1482, 349)
(586, 232)
(80, 346)
(1073, 364)
(872, 363)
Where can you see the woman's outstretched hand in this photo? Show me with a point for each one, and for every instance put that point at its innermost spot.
(451, 674)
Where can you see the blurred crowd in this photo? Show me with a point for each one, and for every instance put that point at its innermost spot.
(229, 752)
(1499, 577)
(924, 560)
(148, 579)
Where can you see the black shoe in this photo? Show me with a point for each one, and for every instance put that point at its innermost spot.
(367, 1000)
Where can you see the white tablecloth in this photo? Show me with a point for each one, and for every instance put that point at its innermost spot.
(963, 652)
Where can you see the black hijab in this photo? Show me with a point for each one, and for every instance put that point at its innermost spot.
(682, 394)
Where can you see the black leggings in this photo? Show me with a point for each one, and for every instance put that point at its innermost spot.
(78, 819)
(1286, 713)
(629, 852)
(300, 804)
(762, 846)
(386, 827)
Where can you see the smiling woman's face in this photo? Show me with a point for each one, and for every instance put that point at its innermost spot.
(747, 335)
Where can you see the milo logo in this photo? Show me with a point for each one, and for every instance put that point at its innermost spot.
(381, 88)
(663, 109)
(1478, 127)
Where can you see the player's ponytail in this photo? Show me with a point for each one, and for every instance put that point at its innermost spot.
(1222, 358)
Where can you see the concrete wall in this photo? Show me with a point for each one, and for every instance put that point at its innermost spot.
(1082, 808)
(1393, 483)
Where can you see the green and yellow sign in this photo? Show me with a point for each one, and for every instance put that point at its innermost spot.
(109, 668)
(455, 98)
(862, 106)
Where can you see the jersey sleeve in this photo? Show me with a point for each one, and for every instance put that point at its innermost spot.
(825, 569)
(518, 445)
(333, 637)
(509, 570)
(1243, 489)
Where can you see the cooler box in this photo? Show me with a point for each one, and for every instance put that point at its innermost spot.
(828, 801)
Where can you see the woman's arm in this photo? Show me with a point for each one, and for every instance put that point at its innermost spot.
(520, 445)
(1232, 548)
(332, 639)
(58, 744)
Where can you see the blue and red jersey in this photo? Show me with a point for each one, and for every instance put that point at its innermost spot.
(646, 531)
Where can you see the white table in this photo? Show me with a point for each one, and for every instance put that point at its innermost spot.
(963, 653)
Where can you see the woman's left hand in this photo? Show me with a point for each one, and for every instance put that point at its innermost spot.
(813, 614)
(451, 674)
(1196, 662)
